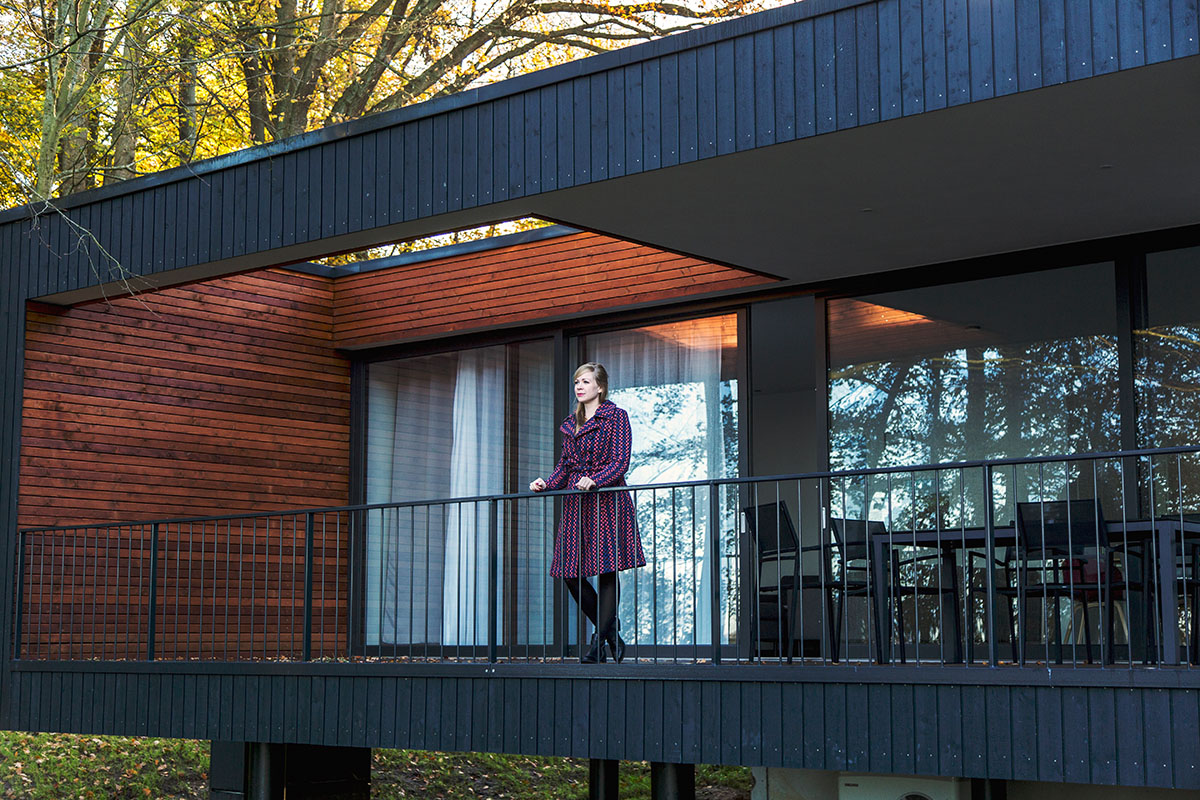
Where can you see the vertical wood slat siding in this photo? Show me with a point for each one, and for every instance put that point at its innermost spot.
(525, 282)
(899, 728)
(853, 66)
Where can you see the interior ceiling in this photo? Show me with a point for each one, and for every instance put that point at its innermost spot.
(1093, 158)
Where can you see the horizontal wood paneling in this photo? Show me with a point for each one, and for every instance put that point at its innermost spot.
(901, 728)
(523, 283)
(214, 398)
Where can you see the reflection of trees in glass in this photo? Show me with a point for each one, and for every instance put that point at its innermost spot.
(975, 403)
(965, 404)
(1168, 404)
(672, 443)
(1044, 398)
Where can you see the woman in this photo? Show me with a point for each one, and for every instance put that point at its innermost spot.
(597, 535)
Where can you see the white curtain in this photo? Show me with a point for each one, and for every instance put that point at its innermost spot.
(476, 468)
(408, 423)
(682, 411)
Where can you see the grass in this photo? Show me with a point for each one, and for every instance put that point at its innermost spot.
(73, 767)
(48, 766)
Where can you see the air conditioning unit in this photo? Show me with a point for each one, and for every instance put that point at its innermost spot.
(901, 787)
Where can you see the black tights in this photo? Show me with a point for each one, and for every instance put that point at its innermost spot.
(600, 609)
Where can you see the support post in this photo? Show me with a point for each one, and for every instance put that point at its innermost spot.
(602, 779)
(672, 781)
(714, 567)
(989, 517)
(20, 594)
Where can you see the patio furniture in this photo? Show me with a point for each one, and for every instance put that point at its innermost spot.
(1062, 554)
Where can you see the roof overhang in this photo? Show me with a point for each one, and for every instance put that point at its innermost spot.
(1106, 156)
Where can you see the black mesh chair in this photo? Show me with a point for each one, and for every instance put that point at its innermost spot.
(1062, 553)
(775, 547)
(848, 559)
(843, 572)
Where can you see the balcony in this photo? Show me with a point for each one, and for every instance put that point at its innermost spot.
(1086, 561)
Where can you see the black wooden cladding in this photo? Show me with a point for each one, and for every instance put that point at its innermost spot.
(1102, 735)
(810, 68)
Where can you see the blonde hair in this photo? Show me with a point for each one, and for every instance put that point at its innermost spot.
(601, 375)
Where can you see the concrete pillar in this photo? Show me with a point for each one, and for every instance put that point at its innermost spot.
(672, 781)
(602, 779)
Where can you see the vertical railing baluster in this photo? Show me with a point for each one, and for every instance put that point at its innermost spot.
(714, 568)
(493, 577)
(308, 585)
(152, 601)
(989, 530)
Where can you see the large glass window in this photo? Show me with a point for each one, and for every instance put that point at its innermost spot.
(1168, 375)
(678, 382)
(454, 425)
(1005, 367)
(997, 368)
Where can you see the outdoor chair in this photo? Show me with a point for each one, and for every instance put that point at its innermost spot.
(1062, 553)
(775, 546)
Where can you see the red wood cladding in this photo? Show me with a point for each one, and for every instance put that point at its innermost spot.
(523, 283)
(213, 398)
(209, 399)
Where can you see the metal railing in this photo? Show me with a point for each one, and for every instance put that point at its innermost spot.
(1083, 560)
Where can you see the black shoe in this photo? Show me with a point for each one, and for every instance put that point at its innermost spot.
(596, 653)
(618, 649)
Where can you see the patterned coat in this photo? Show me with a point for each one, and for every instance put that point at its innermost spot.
(605, 523)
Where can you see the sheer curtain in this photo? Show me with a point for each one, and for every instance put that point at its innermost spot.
(476, 468)
(408, 444)
(677, 382)
(455, 425)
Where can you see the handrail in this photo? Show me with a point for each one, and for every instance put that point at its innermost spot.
(725, 608)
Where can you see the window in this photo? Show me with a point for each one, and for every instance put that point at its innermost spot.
(678, 382)
(1167, 377)
(1004, 367)
(452, 425)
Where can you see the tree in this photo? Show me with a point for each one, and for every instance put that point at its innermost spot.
(125, 87)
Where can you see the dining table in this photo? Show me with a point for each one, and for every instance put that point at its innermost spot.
(1158, 543)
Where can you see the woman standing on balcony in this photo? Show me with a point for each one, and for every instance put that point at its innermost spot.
(596, 535)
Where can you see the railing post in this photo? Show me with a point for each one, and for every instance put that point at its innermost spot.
(493, 577)
(152, 602)
(308, 584)
(714, 567)
(990, 557)
(20, 594)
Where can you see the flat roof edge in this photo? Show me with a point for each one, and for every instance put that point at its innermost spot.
(698, 37)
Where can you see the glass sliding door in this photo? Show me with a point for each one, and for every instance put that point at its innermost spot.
(678, 383)
(456, 425)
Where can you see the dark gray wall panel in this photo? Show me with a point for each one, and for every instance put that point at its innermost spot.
(1079, 734)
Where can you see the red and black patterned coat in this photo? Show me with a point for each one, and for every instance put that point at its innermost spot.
(605, 524)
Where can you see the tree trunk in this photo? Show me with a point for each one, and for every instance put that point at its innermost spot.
(124, 150)
(187, 100)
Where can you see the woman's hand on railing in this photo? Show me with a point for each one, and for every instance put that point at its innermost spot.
(585, 484)
(537, 485)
